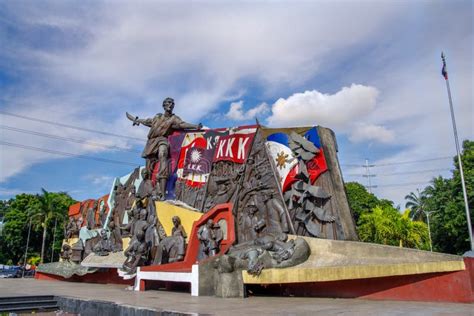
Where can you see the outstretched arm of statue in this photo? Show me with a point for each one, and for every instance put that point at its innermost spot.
(138, 121)
(146, 122)
(180, 124)
(184, 125)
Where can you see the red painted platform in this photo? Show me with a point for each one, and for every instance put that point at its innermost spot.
(103, 276)
(457, 287)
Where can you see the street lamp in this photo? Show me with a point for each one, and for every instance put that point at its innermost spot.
(26, 250)
(427, 214)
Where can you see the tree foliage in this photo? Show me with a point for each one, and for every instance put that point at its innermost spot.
(445, 198)
(18, 215)
(416, 203)
(361, 201)
(48, 210)
(379, 222)
(385, 225)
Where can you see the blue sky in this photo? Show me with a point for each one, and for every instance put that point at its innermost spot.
(370, 70)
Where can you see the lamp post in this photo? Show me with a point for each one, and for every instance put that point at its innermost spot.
(26, 249)
(444, 72)
(427, 214)
(54, 239)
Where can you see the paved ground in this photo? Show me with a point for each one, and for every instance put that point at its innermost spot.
(185, 303)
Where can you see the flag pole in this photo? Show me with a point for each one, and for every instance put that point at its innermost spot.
(468, 216)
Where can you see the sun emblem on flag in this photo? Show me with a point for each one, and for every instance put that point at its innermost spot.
(281, 160)
(195, 156)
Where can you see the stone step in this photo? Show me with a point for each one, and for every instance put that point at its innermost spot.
(49, 307)
(28, 303)
(13, 299)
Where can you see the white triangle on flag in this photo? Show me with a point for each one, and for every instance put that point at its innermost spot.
(283, 159)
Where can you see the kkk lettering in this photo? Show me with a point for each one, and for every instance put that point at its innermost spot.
(233, 147)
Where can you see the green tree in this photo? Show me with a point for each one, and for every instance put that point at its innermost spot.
(15, 228)
(444, 196)
(413, 234)
(416, 202)
(379, 226)
(361, 201)
(385, 225)
(3, 208)
(48, 211)
(16, 223)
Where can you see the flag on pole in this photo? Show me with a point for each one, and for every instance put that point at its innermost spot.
(444, 72)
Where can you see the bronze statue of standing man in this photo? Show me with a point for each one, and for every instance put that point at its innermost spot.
(157, 147)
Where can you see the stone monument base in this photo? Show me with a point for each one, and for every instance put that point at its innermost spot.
(347, 269)
(340, 269)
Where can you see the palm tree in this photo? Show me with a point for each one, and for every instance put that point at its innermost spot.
(43, 215)
(415, 202)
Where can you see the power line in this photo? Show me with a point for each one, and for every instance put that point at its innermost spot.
(412, 161)
(402, 184)
(62, 153)
(397, 163)
(400, 173)
(74, 140)
(68, 126)
(413, 172)
(351, 165)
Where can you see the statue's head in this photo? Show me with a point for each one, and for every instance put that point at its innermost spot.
(176, 220)
(168, 104)
(143, 214)
(145, 174)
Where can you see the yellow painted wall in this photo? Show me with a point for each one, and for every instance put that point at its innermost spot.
(166, 211)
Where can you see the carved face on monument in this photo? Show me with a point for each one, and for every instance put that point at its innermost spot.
(143, 214)
(145, 174)
(210, 223)
(168, 105)
(176, 221)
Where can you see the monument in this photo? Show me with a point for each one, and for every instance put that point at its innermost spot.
(229, 209)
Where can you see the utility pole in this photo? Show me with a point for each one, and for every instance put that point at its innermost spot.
(368, 175)
(444, 72)
(26, 250)
(54, 239)
(427, 214)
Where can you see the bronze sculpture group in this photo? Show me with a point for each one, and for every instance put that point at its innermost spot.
(264, 215)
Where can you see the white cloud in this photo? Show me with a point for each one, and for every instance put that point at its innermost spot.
(86, 64)
(342, 111)
(101, 181)
(378, 133)
(237, 113)
(95, 63)
(336, 110)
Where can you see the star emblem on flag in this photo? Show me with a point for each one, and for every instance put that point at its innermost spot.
(282, 159)
(195, 156)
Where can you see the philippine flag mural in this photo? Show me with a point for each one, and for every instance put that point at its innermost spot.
(286, 163)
